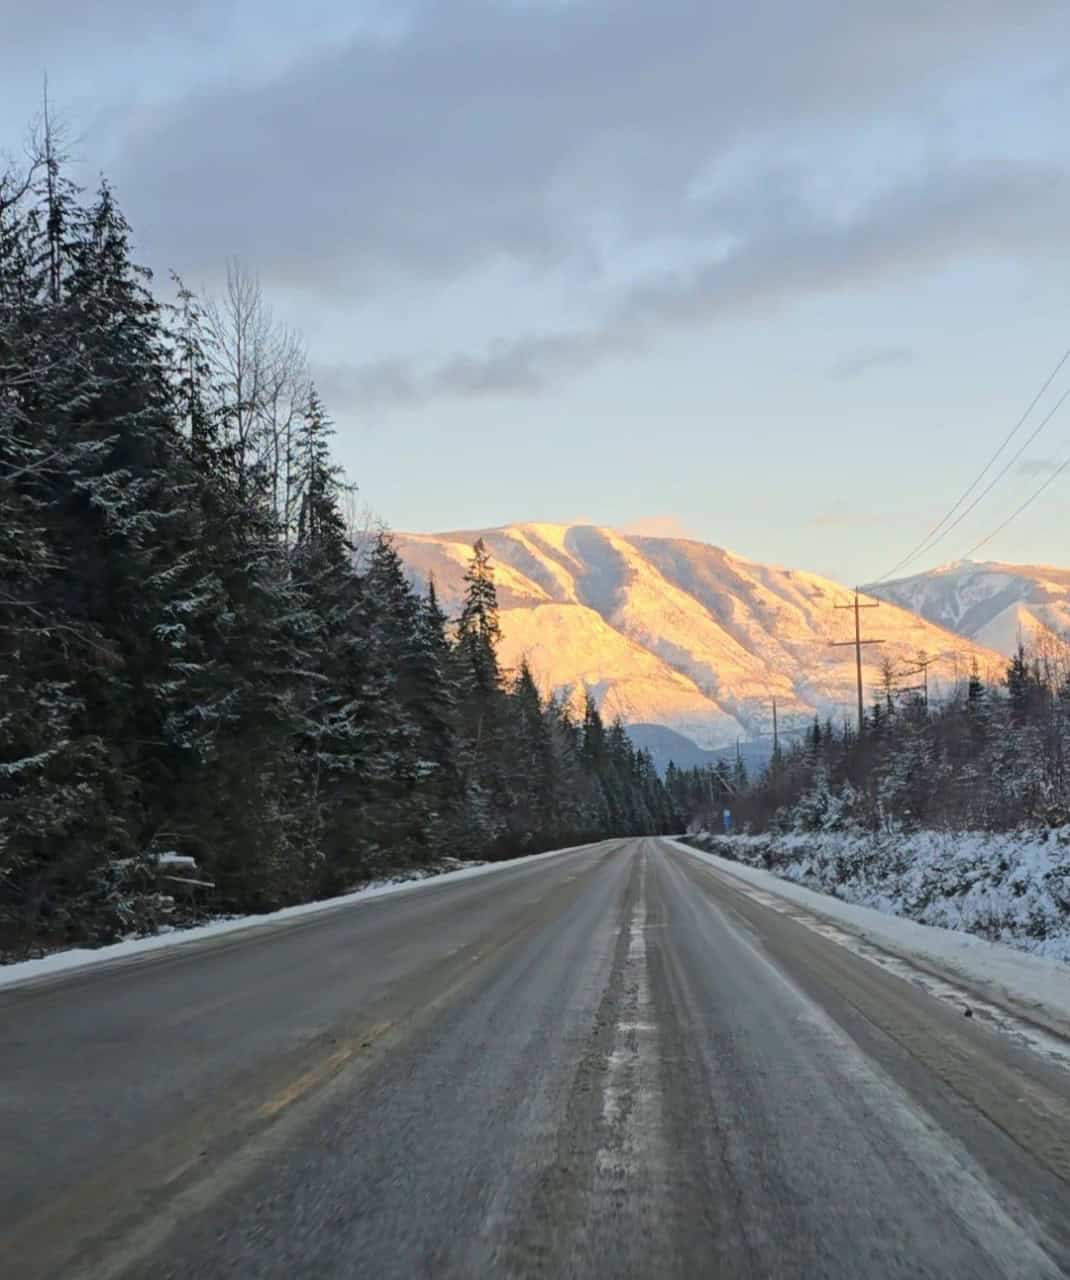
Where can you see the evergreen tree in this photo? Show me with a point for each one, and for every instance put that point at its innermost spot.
(479, 634)
(189, 659)
(530, 770)
(46, 763)
(480, 692)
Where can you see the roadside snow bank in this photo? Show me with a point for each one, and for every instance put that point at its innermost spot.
(81, 958)
(1011, 888)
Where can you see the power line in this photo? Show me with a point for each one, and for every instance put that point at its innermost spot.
(1006, 467)
(925, 542)
(857, 642)
(1016, 513)
(930, 540)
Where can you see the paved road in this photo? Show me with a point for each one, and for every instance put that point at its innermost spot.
(610, 1063)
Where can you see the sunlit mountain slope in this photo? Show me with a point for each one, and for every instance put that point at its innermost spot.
(678, 633)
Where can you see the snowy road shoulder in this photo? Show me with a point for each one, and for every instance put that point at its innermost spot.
(75, 960)
(1011, 982)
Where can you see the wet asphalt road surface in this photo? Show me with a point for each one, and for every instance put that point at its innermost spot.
(608, 1063)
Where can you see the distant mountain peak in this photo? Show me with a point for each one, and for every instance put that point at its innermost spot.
(992, 603)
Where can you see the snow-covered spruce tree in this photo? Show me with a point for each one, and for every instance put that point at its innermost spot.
(478, 680)
(570, 819)
(359, 744)
(188, 659)
(129, 532)
(344, 677)
(424, 784)
(529, 763)
(627, 801)
(247, 643)
(61, 804)
(51, 820)
(88, 400)
(657, 800)
(435, 697)
(594, 765)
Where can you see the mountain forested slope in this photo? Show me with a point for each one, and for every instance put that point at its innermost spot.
(682, 634)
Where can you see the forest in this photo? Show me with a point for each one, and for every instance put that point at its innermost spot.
(991, 757)
(205, 652)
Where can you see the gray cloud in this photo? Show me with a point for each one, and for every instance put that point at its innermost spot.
(548, 137)
(852, 366)
(496, 130)
(49, 30)
(794, 254)
(947, 213)
(525, 366)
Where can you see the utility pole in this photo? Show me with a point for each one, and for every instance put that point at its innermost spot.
(858, 642)
(775, 735)
(709, 788)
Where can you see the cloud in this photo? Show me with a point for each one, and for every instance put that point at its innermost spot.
(852, 366)
(790, 253)
(661, 164)
(46, 28)
(667, 526)
(525, 366)
(533, 132)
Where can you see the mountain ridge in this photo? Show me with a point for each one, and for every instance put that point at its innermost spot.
(989, 601)
(677, 632)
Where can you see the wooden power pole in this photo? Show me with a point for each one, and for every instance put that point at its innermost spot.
(776, 735)
(858, 642)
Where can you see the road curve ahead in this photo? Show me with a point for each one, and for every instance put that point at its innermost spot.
(610, 1063)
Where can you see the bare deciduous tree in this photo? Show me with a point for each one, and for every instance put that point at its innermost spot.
(261, 367)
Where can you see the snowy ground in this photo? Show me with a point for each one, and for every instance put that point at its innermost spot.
(1012, 887)
(80, 958)
(1036, 986)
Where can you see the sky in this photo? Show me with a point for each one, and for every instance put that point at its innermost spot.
(780, 276)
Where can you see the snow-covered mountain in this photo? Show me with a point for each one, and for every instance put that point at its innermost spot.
(989, 603)
(677, 633)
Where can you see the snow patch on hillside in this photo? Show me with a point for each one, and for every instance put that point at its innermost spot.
(991, 603)
(585, 652)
